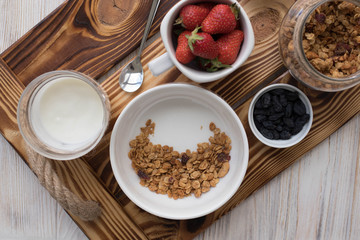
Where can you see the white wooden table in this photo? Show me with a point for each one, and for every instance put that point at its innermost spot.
(316, 198)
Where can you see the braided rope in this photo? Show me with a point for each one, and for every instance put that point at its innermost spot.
(86, 210)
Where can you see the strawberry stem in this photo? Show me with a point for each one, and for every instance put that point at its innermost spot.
(236, 11)
(193, 38)
(178, 21)
(212, 65)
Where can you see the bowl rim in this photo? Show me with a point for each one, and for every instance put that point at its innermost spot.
(295, 139)
(240, 174)
(203, 76)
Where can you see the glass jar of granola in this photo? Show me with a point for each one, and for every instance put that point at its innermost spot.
(319, 42)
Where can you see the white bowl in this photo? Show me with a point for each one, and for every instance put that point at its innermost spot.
(164, 62)
(295, 138)
(182, 114)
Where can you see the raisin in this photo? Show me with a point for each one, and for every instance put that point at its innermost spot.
(184, 158)
(289, 122)
(320, 17)
(284, 135)
(258, 105)
(260, 112)
(222, 157)
(302, 120)
(289, 110)
(268, 124)
(283, 101)
(299, 107)
(341, 49)
(143, 175)
(276, 116)
(260, 117)
(296, 129)
(266, 133)
(257, 124)
(266, 100)
(276, 103)
(278, 91)
(276, 134)
(291, 96)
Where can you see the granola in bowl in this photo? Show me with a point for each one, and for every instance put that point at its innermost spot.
(165, 171)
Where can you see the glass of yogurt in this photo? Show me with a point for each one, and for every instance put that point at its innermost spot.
(63, 115)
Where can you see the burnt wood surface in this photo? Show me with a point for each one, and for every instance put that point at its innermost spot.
(91, 36)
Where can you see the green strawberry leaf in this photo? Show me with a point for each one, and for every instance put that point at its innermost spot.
(193, 38)
(236, 10)
(212, 65)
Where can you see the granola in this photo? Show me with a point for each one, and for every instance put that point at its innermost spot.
(331, 40)
(166, 171)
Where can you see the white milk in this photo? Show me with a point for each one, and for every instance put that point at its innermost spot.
(67, 113)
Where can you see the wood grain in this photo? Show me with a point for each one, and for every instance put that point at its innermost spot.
(264, 164)
(76, 174)
(85, 35)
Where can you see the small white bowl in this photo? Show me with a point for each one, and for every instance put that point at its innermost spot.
(181, 113)
(295, 138)
(167, 60)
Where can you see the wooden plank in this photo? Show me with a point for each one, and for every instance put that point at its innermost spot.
(114, 223)
(92, 35)
(85, 35)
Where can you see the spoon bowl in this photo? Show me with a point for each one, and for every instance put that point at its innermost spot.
(132, 75)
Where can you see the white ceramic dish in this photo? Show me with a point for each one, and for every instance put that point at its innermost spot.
(167, 60)
(294, 139)
(182, 114)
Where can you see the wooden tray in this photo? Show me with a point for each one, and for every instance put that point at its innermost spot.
(91, 36)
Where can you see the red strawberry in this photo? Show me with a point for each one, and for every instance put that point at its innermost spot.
(203, 45)
(191, 16)
(221, 19)
(183, 53)
(229, 46)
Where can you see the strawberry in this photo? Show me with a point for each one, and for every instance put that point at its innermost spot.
(203, 45)
(229, 46)
(221, 19)
(183, 53)
(191, 16)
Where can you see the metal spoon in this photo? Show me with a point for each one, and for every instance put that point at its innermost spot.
(132, 75)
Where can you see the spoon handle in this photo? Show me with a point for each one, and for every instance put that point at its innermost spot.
(152, 13)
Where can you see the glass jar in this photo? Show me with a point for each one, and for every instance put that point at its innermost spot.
(63, 115)
(292, 53)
